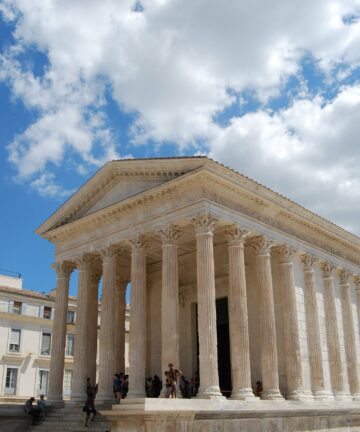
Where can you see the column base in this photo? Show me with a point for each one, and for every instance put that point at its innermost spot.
(212, 392)
(323, 395)
(55, 402)
(105, 399)
(300, 395)
(272, 394)
(342, 396)
(243, 394)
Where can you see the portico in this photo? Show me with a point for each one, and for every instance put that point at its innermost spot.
(186, 232)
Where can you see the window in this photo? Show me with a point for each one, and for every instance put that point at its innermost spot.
(71, 317)
(69, 345)
(67, 382)
(45, 344)
(47, 312)
(43, 382)
(17, 307)
(11, 381)
(15, 340)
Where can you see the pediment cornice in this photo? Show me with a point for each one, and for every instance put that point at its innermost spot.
(213, 182)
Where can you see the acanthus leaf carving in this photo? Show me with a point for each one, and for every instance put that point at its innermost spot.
(284, 252)
(328, 269)
(169, 233)
(345, 276)
(63, 269)
(261, 244)
(309, 261)
(236, 235)
(204, 222)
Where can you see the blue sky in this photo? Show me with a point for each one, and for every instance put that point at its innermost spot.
(272, 91)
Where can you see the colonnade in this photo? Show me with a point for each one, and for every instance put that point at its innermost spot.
(111, 352)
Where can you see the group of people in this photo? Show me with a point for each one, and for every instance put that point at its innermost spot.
(36, 410)
(121, 386)
(188, 389)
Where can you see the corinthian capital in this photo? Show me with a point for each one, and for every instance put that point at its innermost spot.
(284, 252)
(84, 261)
(109, 252)
(138, 243)
(328, 269)
(345, 276)
(309, 261)
(170, 233)
(357, 283)
(204, 223)
(63, 269)
(236, 235)
(261, 245)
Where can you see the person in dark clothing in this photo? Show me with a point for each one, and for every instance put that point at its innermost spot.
(156, 386)
(32, 410)
(89, 407)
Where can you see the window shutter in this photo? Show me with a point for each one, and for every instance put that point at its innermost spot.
(15, 337)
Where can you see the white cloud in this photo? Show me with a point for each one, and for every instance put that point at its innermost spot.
(177, 65)
(309, 152)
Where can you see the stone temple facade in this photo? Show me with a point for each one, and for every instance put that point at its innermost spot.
(228, 278)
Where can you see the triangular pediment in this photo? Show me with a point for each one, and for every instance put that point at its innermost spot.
(118, 181)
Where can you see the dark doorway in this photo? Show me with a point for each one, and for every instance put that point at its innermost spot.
(224, 365)
(223, 337)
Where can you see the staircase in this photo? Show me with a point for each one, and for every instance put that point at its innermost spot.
(71, 419)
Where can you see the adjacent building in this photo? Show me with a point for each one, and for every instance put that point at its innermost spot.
(26, 334)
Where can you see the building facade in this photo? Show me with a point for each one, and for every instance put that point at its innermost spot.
(26, 334)
(228, 278)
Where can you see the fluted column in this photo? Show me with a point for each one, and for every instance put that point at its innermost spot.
(357, 292)
(92, 323)
(121, 285)
(267, 342)
(137, 342)
(313, 330)
(294, 374)
(349, 335)
(209, 376)
(169, 298)
(82, 337)
(332, 333)
(55, 393)
(238, 316)
(107, 325)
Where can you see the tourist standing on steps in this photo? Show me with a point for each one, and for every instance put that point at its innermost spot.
(173, 375)
(89, 407)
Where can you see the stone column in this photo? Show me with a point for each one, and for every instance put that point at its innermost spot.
(92, 324)
(238, 316)
(294, 374)
(121, 285)
(357, 292)
(82, 337)
(313, 330)
(349, 335)
(209, 376)
(137, 341)
(107, 326)
(332, 333)
(267, 340)
(55, 393)
(169, 299)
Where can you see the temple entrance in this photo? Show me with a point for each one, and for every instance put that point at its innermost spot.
(223, 337)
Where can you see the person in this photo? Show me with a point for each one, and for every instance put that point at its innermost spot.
(117, 387)
(184, 387)
(258, 388)
(125, 386)
(168, 385)
(42, 406)
(89, 407)
(148, 387)
(32, 410)
(173, 374)
(156, 386)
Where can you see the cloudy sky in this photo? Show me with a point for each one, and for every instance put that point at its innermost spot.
(271, 89)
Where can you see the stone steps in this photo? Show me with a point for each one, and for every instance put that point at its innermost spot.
(71, 420)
